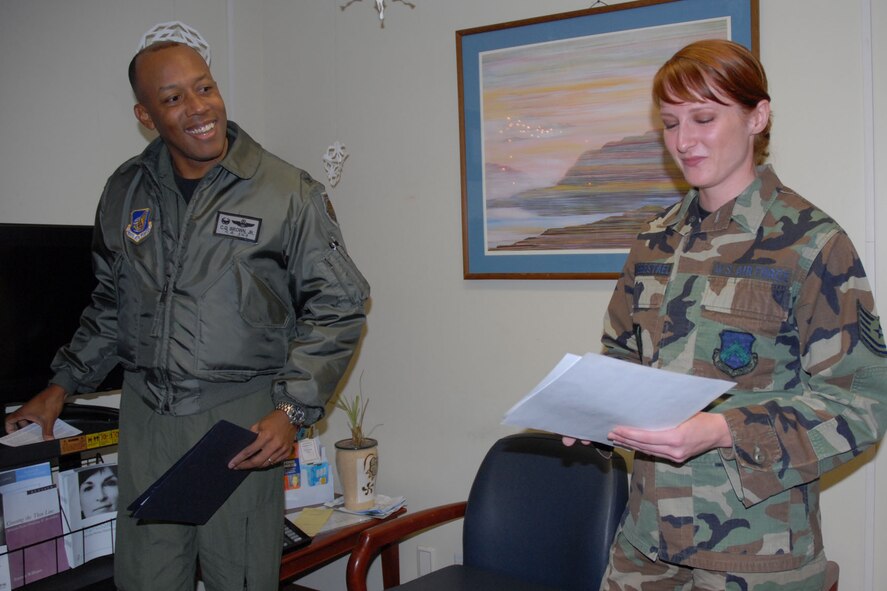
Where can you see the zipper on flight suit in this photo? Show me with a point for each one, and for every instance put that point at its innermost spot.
(164, 309)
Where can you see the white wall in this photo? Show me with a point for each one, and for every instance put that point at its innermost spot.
(443, 358)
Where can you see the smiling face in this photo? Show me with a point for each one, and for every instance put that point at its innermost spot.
(178, 98)
(715, 108)
(713, 145)
(98, 492)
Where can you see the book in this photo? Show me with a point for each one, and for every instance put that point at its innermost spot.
(196, 486)
(88, 499)
(32, 525)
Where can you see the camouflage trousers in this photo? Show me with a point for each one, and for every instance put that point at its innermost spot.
(630, 570)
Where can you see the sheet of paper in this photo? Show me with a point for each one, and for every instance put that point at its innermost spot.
(33, 433)
(585, 397)
(312, 519)
(336, 519)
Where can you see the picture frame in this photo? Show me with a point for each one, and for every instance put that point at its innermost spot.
(561, 152)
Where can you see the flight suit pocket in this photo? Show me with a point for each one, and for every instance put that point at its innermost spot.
(341, 272)
(246, 343)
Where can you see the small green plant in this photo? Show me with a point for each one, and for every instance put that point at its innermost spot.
(355, 409)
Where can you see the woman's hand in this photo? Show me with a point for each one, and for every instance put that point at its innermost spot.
(702, 432)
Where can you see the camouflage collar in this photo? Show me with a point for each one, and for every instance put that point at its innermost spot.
(747, 210)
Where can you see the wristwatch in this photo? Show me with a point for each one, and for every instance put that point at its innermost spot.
(294, 412)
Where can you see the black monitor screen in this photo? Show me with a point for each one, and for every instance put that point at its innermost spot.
(46, 279)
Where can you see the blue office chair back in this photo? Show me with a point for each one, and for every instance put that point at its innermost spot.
(544, 512)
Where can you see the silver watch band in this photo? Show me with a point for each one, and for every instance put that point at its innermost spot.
(294, 412)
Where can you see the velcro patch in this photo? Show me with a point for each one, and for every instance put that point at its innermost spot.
(735, 356)
(330, 212)
(777, 275)
(236, 226)
(654, 269)
(140, 225)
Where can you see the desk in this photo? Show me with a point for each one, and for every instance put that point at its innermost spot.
(328, 546)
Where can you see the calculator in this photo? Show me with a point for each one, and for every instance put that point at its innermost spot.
(293, 537)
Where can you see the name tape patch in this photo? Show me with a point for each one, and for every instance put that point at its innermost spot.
(654, 269)
(777, 275)
(236, 226)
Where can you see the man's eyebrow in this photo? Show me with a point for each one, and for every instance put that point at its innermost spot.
(176, 85)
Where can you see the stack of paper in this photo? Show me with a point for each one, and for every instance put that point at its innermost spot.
(586, 397)
(33, 433)
(384, 506)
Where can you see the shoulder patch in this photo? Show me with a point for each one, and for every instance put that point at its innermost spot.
(330, 212)
(140, 225)
(870, 333)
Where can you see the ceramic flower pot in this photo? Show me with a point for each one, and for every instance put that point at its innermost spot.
(357, 468)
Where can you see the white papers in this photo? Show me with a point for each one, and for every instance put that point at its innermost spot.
(33, 433)
(585, 397)
(384, 506)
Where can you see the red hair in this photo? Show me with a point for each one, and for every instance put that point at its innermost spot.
(715, 70)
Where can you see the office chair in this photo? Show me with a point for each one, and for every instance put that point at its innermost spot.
(539, 516)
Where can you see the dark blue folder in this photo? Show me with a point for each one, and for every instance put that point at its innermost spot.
(196, 486)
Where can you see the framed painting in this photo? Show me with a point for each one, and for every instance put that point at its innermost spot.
(562, 158)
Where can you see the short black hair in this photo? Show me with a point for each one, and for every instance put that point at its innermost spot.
(150, 48)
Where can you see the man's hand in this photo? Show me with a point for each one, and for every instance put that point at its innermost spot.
(274, 443)
(702, 432)
(43, 409)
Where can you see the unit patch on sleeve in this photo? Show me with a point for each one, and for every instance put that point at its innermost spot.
(236, 226)
(870, 332)
(330, 212)
(140, 225)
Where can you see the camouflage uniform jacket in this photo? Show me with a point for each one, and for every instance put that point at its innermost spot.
(768, 292)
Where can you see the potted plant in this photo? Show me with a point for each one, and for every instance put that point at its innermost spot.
(355, 411)
(357, 458)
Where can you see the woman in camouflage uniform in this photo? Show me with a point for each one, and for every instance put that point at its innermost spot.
(743, 280)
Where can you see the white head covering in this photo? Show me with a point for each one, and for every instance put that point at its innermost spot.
(176, 31)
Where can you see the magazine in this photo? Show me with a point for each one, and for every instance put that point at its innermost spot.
(31, 515)
(88, 497)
